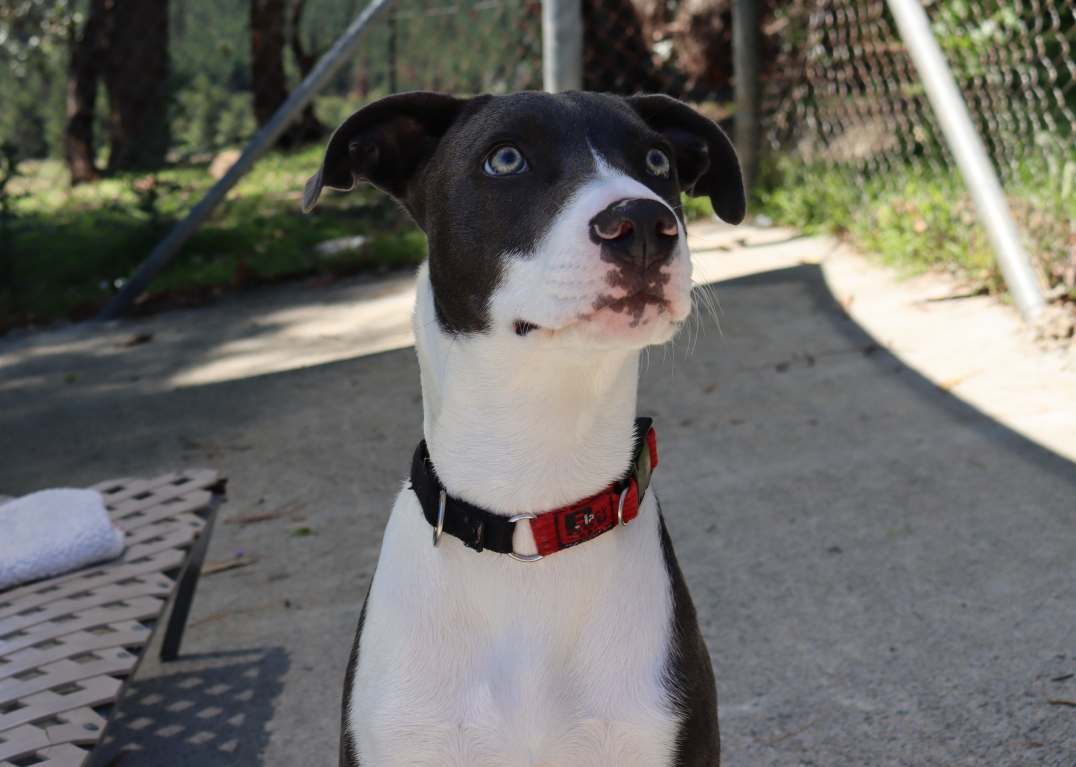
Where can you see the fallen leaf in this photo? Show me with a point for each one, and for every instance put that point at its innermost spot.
(216, 567)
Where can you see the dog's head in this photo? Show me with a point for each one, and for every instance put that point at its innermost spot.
(555, 219)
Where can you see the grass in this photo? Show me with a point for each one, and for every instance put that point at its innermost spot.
(920, 219)
(73, 247)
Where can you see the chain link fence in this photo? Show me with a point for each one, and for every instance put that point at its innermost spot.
(679, 47)
(850, 123)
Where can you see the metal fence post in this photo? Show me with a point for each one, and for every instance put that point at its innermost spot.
(746, 22)
(562, 45)
(392, 53)
(263, 140)
(967, 147)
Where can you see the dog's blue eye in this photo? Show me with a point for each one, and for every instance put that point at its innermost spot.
(505, 161)
(657, 163)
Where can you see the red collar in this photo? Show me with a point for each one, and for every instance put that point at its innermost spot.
(554, 530)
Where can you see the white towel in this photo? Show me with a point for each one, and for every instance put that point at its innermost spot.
(52, 532)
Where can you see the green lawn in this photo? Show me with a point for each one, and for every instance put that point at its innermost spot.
(918, 218)
(71, 245)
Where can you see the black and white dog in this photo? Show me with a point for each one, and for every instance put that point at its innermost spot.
(557, 253)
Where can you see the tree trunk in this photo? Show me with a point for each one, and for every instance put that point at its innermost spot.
(308, 127)
(268, 38)
(84, 69)
(136, 74)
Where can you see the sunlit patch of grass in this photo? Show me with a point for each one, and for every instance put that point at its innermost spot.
(919, 219)
(74, 246)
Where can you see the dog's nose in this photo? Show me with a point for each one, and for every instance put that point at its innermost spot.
(639, 232)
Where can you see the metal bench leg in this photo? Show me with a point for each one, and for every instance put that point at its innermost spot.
(188, 582)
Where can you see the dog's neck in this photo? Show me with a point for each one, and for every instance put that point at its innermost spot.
(515, 428)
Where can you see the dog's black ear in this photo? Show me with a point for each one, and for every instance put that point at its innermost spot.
(386, 143)
(706, 162)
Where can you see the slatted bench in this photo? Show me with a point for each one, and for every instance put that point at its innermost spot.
(68, 644)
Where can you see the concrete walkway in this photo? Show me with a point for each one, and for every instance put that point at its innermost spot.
(871, 494)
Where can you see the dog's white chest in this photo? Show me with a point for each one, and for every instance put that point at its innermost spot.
(473, 659)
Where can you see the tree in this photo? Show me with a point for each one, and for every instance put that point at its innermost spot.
(125, 44)
(267, 37)
(308, 128)
(84, 70)
(270, 34)
(136, 74)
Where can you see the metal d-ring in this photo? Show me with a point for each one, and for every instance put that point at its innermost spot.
(440, 520)
(514, 555)
(620, 508)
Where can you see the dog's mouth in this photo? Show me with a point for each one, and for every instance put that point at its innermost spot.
(634, 305)
(641, 290)
(639, 297)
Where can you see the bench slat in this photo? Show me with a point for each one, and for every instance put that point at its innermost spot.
(148, 587)
(42, 592)
(64, 755)
(94, 691)
(150, 568)
(130, 634)
(114, 660)
(154, 512)
(140, 496)
(143, 608)
(190, 479)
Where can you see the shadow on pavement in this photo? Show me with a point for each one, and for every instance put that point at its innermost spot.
(209, 710)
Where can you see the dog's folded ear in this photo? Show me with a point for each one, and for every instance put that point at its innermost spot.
(706, 162)
(386, 143)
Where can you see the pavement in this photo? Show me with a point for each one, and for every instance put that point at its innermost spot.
(870, 485)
